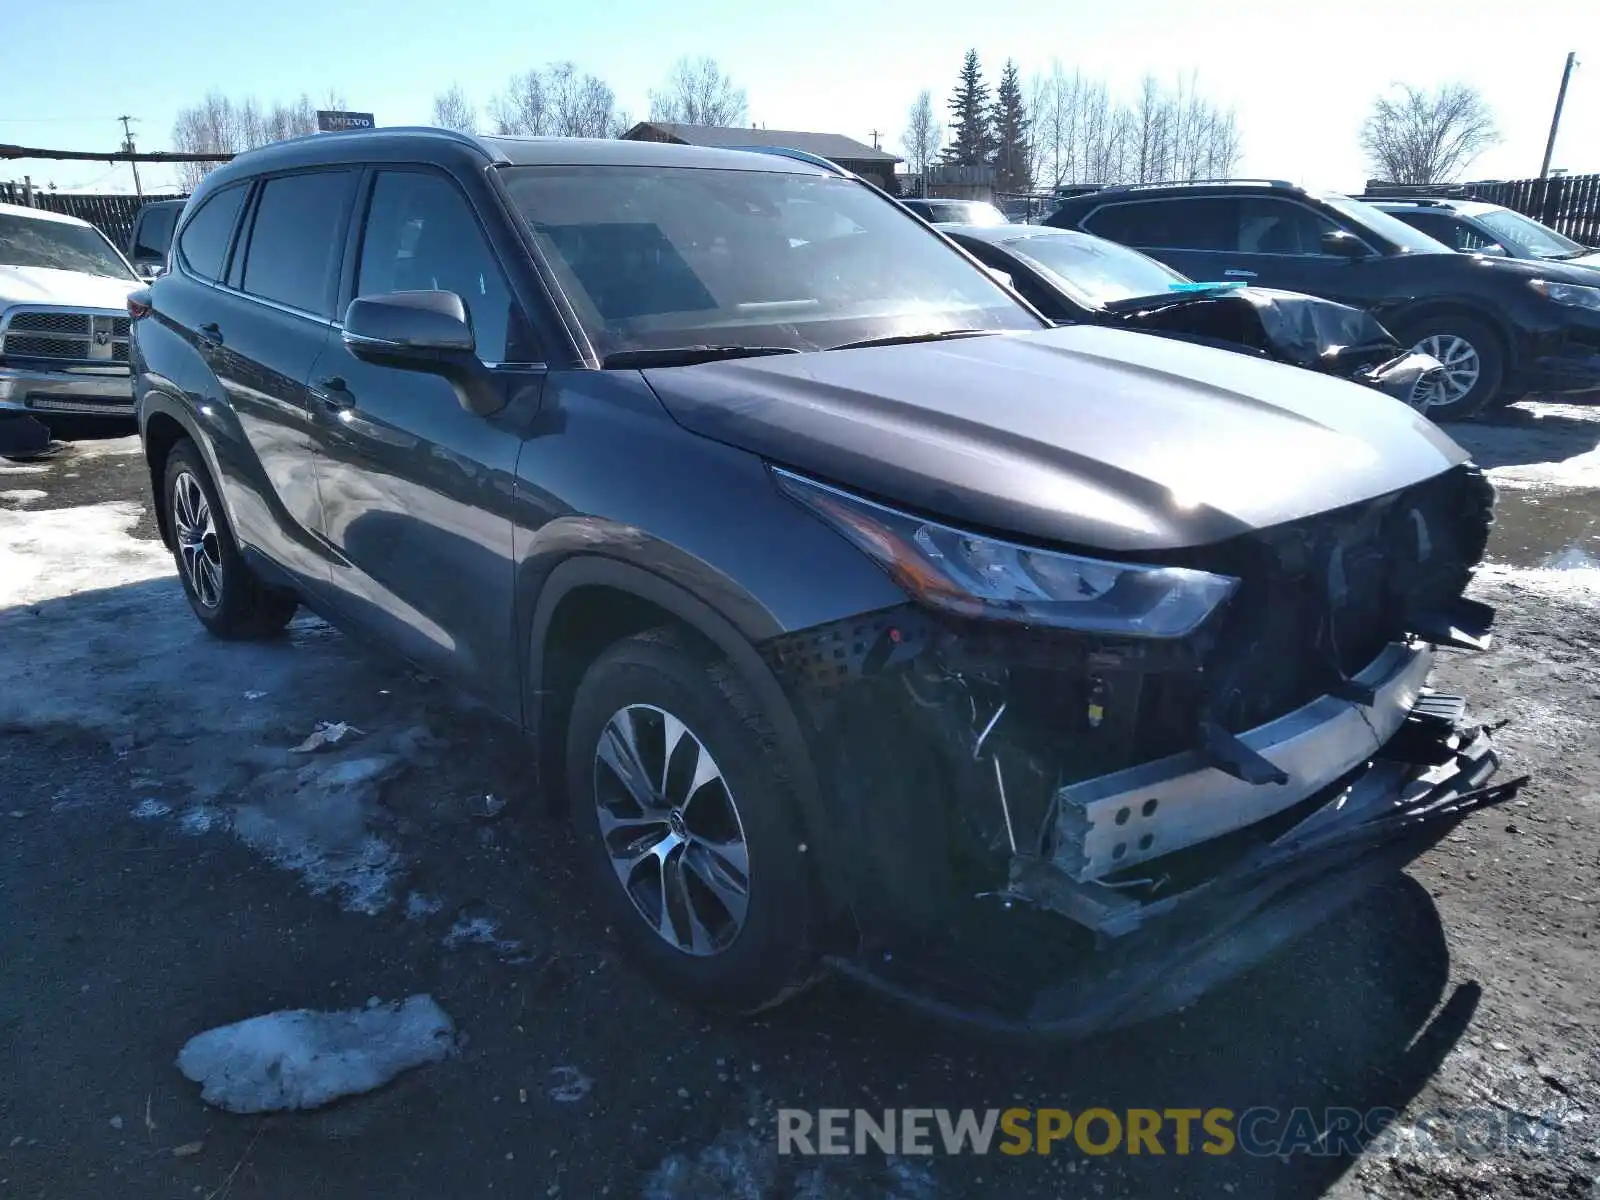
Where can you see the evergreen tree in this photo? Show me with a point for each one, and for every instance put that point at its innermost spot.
(1010, 124)
(972, 140)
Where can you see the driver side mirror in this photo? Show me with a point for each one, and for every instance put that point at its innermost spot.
(1003, 278)
(423, 331)
(1493, 250)
(1342, 244)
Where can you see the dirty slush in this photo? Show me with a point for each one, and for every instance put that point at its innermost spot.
(198, 833)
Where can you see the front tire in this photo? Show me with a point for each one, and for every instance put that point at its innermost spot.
(1474, 363)
(227, 596)
(683, 814)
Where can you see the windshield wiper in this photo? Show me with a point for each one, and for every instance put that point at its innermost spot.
(906, 339)
(684, 356)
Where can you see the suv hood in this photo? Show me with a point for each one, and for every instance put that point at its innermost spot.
(1559, 270)
(74, 289)
(1082, 436)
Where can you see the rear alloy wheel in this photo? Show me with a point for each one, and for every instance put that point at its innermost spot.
(227, 596)
(1473, 362)
(687, 825)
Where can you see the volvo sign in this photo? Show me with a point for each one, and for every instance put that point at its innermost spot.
(335, 122)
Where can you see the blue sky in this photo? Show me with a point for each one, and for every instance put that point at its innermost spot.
(1300, 76)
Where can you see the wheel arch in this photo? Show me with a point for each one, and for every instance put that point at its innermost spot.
(589, 602)
(1427, 310)
(162, 425)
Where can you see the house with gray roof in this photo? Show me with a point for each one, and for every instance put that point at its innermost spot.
(864, 160)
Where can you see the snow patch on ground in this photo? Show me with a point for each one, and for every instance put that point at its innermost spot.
(737, 1166)
(1567, 585)
(201, 819)
(480, 931)
(419, 906)
(93, 448)
(744, 1165)
(303, 1059)
(95, 635)
(21, 496)
(64, 551)
(314, 820)
(11, 468)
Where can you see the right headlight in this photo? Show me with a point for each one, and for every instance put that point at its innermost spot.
(1571, 295)
(975, 575)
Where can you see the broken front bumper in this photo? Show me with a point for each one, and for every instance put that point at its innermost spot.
(1159, 946)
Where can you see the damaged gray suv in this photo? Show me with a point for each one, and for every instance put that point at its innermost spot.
(1041, 677)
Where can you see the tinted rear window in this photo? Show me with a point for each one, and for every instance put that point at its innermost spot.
(154, 233)
(295, 239)
(204, 242)
(1201, 223)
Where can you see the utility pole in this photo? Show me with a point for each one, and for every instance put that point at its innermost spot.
(875, 139)
(127, 148)
(1555, 120)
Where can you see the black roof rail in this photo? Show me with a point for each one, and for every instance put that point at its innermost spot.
(449, 135)
(1224, 182)
(805, 156)
(1420, 201)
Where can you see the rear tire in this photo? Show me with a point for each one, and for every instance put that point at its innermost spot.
(1475, 364)
(226, 595)
(699, 860)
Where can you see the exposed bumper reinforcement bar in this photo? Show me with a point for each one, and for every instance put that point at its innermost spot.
(1159, 955)
(1113, 821)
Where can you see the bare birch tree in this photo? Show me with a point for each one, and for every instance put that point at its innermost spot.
(557, 100)
(1416, 136)
(1082, 135)
(923, 136)
(452, 110)
(697, 92)
(222, 125)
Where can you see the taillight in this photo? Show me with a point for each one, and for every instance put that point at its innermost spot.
(138, 303)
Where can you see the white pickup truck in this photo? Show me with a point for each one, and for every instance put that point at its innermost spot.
(63, 317)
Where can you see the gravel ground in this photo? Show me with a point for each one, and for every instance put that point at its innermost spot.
(168, 865)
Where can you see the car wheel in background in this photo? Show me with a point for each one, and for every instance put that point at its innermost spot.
(683, 816)
(1474, 366)
(227, 596)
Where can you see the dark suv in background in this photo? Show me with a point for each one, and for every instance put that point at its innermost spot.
(1475, 227)
(1503, 328)
(861, 619)
(151, 236)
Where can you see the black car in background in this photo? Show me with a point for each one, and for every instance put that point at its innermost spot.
(1077, 278)
(1476, 227)
(957, 212)
(1502, 327)
(862, 620)
(151, 236)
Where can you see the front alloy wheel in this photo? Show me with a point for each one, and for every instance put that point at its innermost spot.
(1462, 370)
(689, 825)
(195, 531)
(672, 829)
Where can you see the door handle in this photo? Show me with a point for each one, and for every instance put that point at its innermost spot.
(332, 393)
(1235, 273)
(210, 335)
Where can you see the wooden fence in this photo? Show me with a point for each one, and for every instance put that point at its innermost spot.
(112, 215)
